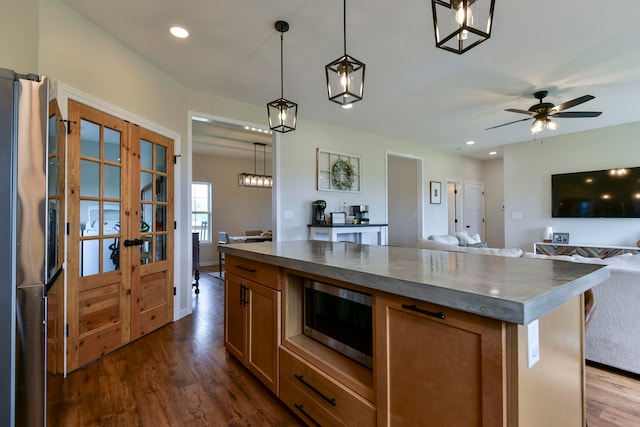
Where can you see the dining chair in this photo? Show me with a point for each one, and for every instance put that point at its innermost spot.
(223, 239)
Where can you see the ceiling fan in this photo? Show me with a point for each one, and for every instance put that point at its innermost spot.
(543, 112)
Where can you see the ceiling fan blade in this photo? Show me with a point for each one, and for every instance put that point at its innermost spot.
(576, 114)
(515, 121)
(573, 103)
(513, 110)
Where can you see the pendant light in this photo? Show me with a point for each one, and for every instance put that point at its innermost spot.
(460, 25)
(345, 75)
(253, 179)
(283, 114)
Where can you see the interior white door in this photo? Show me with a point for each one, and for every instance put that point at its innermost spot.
(474, 208)
(404, 198)
(454, 207)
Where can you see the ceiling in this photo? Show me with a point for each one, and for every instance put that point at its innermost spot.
(413, 90)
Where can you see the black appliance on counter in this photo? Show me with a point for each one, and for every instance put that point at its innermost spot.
(361, 214)
(317, 212)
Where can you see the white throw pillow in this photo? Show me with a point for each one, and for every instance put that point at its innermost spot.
(464, 237)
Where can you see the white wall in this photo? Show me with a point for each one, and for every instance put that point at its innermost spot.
(297, 170)
(19, 27)
(528, 167)
(234, 209)
(494, 202)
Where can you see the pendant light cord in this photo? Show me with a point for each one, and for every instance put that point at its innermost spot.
(344, 27)
(281, 65)
(254, 159)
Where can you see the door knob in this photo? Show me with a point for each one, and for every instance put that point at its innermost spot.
(134, 242)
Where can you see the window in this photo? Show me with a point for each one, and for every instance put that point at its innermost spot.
(201, 210)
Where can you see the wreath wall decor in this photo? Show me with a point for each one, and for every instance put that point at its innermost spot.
(338, 171)
(343, 175)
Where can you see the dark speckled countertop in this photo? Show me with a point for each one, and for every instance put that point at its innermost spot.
(517, 290)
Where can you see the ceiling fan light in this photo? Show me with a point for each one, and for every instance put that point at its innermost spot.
(551, 125)
(538, 126)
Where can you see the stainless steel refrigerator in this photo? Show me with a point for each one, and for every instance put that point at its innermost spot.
(23, 231)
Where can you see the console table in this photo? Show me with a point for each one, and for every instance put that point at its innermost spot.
(333, 231)
(592, 251)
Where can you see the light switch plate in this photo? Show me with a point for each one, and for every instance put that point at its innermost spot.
(288, 214)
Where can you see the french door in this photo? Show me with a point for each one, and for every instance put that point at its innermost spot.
(120, 252)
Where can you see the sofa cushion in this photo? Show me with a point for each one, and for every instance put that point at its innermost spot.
(474, 245)
(506, 252)
(439, 246)
(445, 238)
(555, 257)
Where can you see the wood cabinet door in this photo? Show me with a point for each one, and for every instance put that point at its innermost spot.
(263, 313)
(438, 366)
(234, 316)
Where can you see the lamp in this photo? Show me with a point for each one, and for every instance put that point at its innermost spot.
(283, 114)
(345, 75)
(541, 123)
(460, 25)
(253, 179)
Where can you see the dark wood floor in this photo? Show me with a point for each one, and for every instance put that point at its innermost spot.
(181, 375)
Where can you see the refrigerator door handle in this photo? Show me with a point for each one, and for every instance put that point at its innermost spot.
(52, 282)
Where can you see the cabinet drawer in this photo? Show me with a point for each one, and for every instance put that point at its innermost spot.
(265, 274)
(305, 406)
(333, 397)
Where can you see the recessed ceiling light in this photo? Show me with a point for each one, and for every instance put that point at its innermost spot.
(493, 153)
(179, 32)
(470, 142)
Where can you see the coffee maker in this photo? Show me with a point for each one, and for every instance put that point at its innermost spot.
(361, 214)
(317, 212)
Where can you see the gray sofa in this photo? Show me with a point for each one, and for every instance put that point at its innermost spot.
(613, 336)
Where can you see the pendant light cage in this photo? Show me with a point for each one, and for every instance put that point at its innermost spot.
(345, 75)
(254, 180)
(282, 113)
(460, 25)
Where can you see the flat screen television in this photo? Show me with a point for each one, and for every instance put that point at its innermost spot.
(610, 193)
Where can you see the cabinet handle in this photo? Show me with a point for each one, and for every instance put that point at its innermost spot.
(439, 315)
(242, 267)
(309, 417)
(332, 401)
(246, 300)
(241, 294)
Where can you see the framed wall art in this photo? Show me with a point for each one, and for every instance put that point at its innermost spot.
(436, 190)
(338, 171)
(560, 237)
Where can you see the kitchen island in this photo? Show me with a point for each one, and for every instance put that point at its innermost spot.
(453, 334)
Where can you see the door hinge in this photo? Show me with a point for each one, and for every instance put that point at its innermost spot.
(175, 158)
(66, 332)
(174, 291)
(175, 225)
(68, 228)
